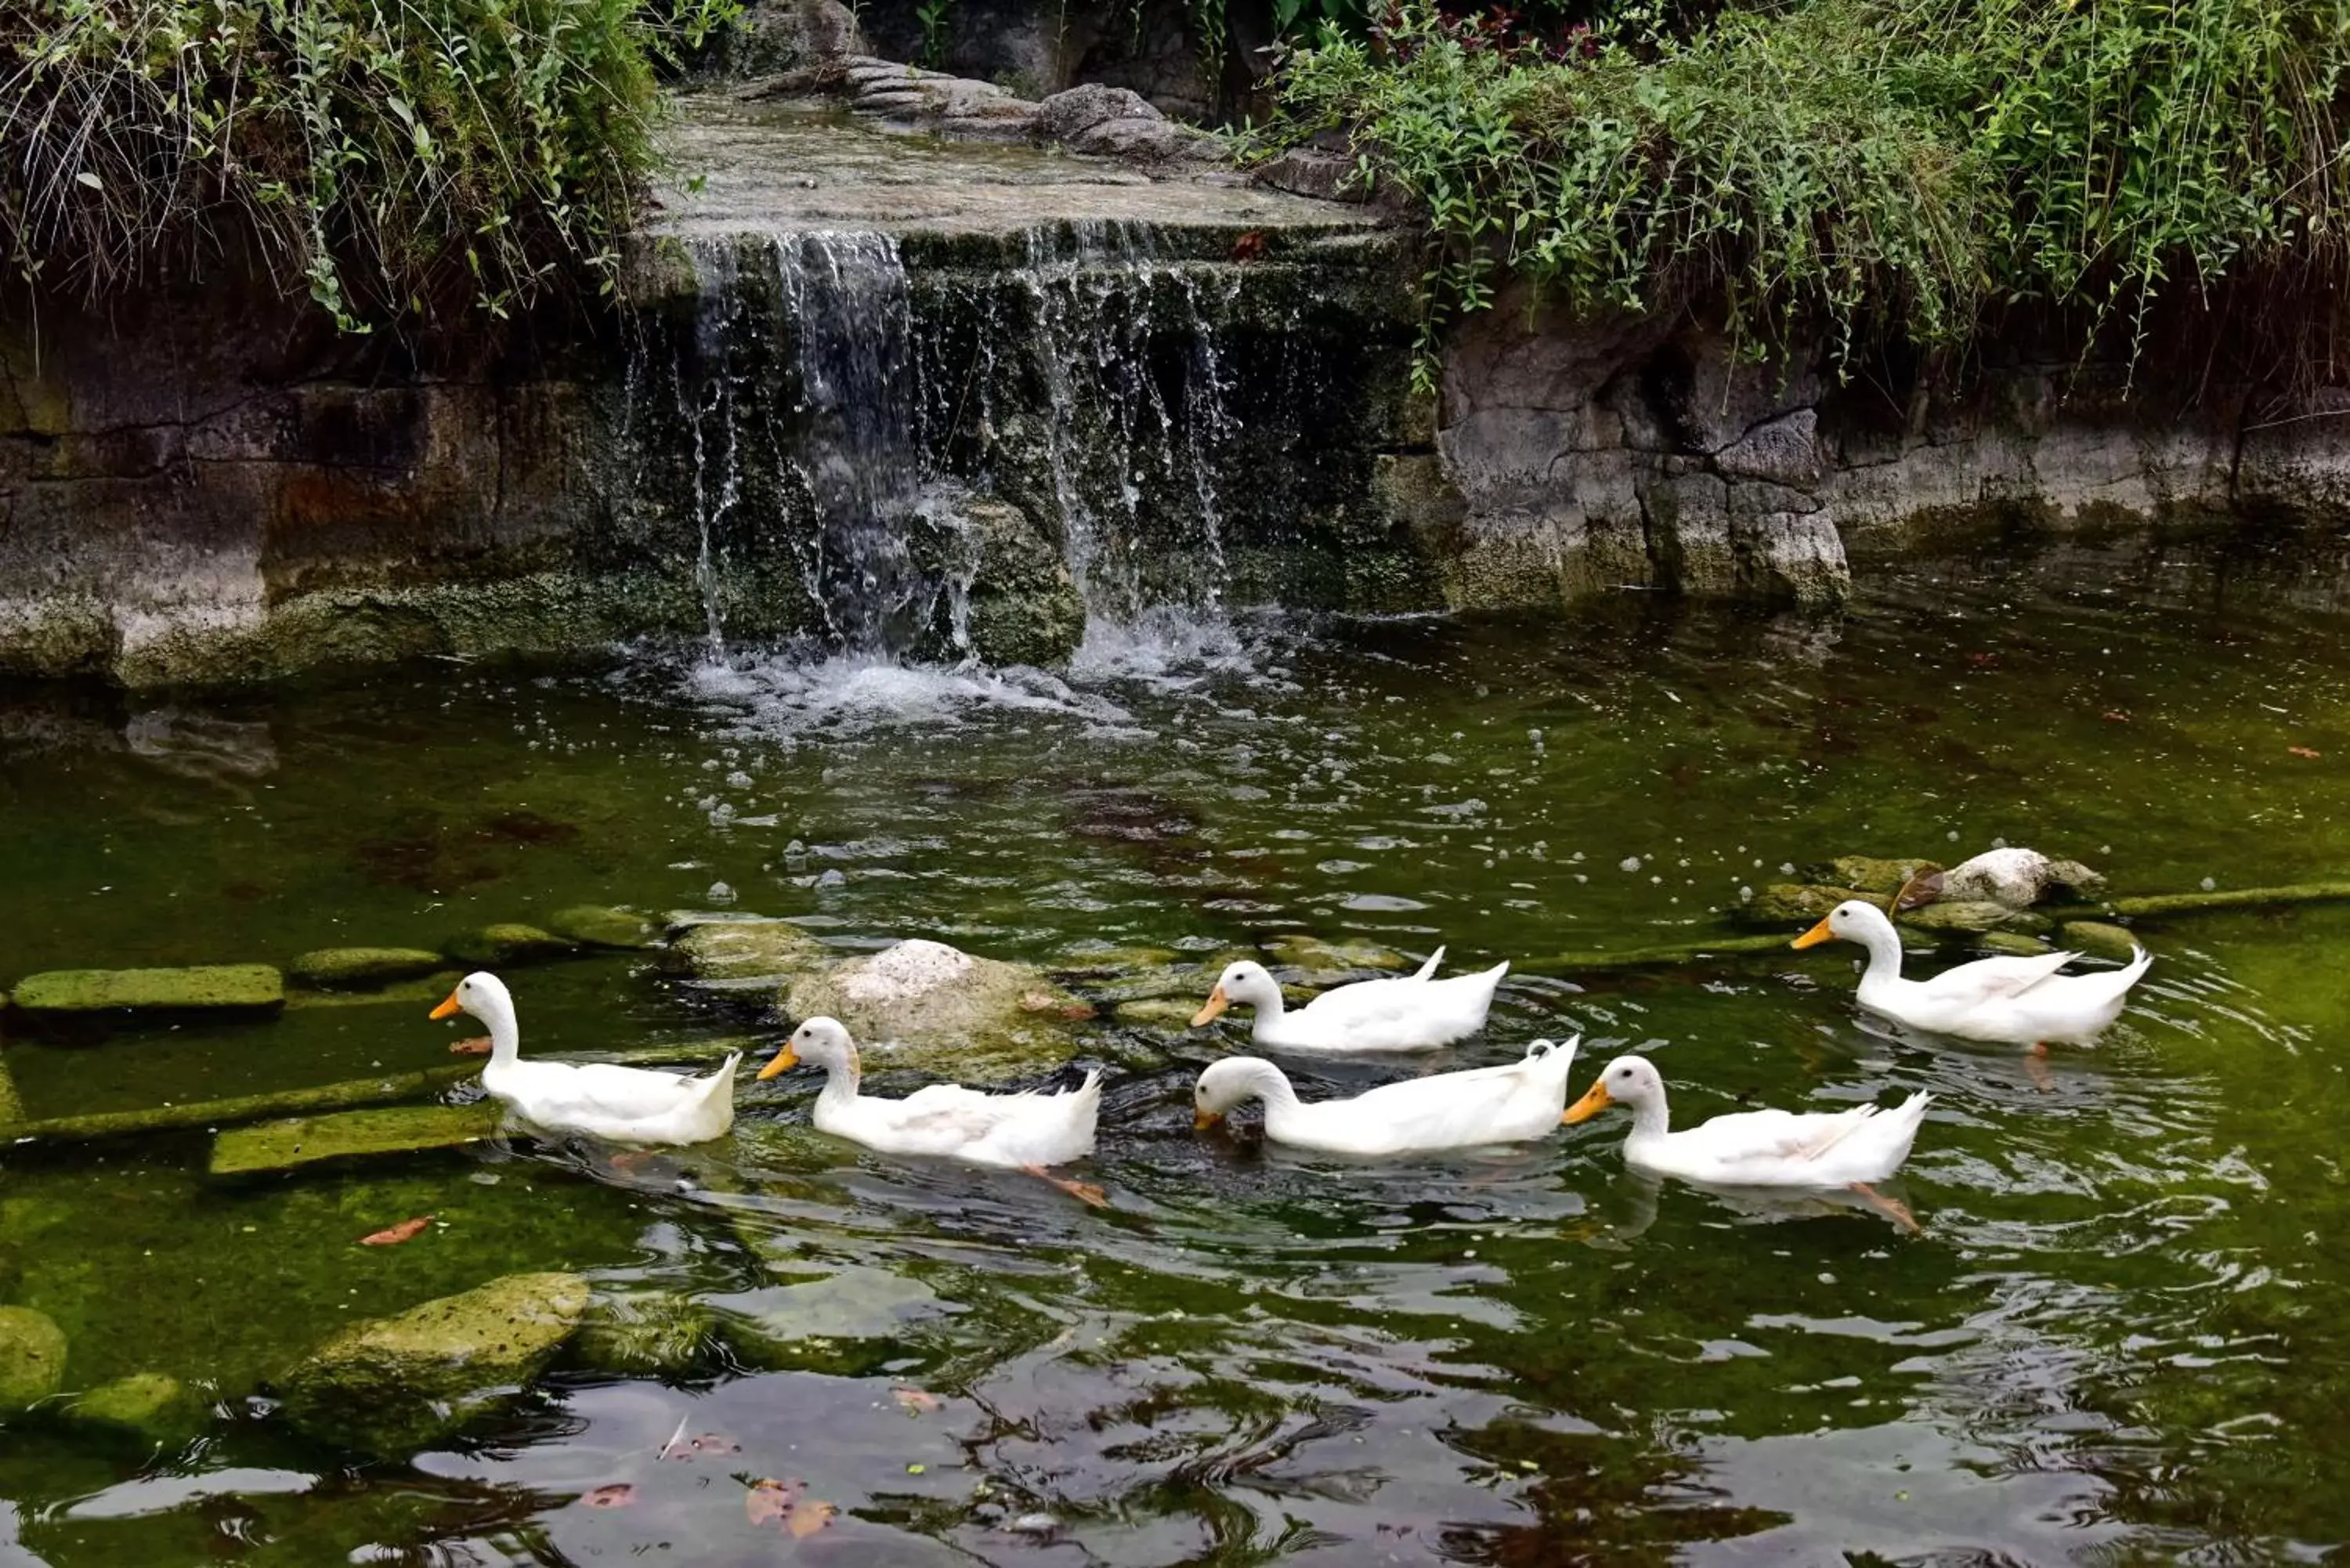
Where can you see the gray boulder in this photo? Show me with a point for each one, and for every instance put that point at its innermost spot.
(2019, 879)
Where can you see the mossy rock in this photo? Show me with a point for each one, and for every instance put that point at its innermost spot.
(1871, 873)
(357, 969)
(395, 1384)
(596, 926)
(1786, 903)
(32, 1357)
(930, 1008)
(1169, 1013)
(657, 1334)
(1974, 915)
(152, 1405)
(231, 989)
(299, 1141)
(2012, 944)
(748, 953)
(1108, 961)
(2098, 939)
(847, 1323)
(1327, 962)
(510, 943)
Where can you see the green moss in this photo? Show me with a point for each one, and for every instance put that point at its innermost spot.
(510, 942)
(219, 988)
(2098, 939)
(594, 926)
(32, 1357)
(749, 952)
(306, 1140)
(360, 966)
(399, 1384)
(659, 1334)
(152, 1405)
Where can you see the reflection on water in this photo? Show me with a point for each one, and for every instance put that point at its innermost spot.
(2118, 1338)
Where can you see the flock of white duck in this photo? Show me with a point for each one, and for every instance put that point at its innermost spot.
(2020, 1001)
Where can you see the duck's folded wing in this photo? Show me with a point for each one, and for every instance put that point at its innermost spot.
(1780, 1136)
(619, 1093)
(1991, 978)
(1446, 1111)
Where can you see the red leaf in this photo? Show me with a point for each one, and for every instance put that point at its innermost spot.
(806, 1518)
(393, 1235)
(2303, 751)
(1982, 660)
(2116, 716)
(916, 1401)
(620, 1494)
(1249, 246)
(477, 1046)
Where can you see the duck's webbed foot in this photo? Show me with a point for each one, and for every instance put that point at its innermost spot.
(1083, 1192)
(1892, 1208)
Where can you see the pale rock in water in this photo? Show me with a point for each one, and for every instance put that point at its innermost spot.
(925, 1005)
(2017, 877)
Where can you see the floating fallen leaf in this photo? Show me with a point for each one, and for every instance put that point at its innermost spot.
(2116, 716)
(620, 1494)
(916, 1401)
(477, 1046)
(1249, 246)
(393, 1235)
(1982, 660)
(2303, 751)
(808, 1517)
(770, 1500)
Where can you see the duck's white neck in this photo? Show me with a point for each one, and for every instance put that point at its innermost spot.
(1652, 1119)
(1271, 1085)
(505, 1041)
(1268, 1005)
(841, 1078)
(1884, 945)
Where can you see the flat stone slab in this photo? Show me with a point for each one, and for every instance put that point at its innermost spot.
(298, 1141)
(361, 968)
(796, 166)
(235, 988)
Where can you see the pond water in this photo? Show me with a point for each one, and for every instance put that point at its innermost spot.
(2123, 1333)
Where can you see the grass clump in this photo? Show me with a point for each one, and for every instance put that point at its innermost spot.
(393, 158)
(1887, 166)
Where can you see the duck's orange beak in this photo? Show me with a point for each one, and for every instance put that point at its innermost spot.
(1815, 936)
(449, 1009)
(1202, 1120)
(1217, 1002)
(1590, 1105)
(785, 1060)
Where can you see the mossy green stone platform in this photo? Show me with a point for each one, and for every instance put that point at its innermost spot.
(235, 988)
(299, 1141)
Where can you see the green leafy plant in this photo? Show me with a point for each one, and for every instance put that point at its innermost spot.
(393, 158)
(933, 14)
(1879, 165)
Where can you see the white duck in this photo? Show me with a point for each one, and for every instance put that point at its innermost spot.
(2016, 1001)
(1756, 1148)
(1025, 1131)
(1409, 1013)
(621, 1105)
(1447, 1110)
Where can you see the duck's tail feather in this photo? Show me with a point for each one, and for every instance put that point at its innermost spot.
(1427, 970)
(722, 1082)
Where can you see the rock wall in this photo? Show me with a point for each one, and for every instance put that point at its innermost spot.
(1586, 456)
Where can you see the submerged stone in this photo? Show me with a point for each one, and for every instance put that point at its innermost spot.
(1973, 915)
(152, 1404)
(1873, 874)
(1328, 962)
(1787, 902)
(595, 926)
(362, 967)
(32, 1357)
(392, 1129)
(846, 1323)
(926, 1007)
(1170, 1013)
(761, 952)
(657, 1334)
(236, 988)
(2098, 939)
(510, 942)
(398, 1384)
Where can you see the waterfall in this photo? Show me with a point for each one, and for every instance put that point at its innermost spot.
(836, 409)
